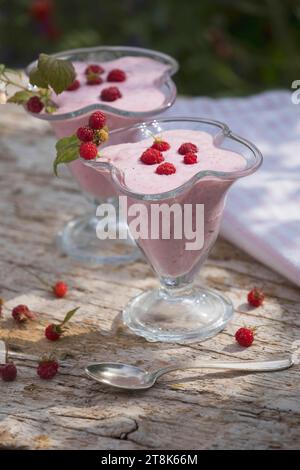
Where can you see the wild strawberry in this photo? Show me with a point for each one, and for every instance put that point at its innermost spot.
(34, 104)
(116, 75)
(54, 331)
(21, 314)
(100, 136)
(47, 368)
(111, 93)
(74, 85)
(187, 147)
(85, 134)
(8, 372)
(60, 289)
(245, 336)
(161, 145)
(190, 158)
(152, 156)
(256, 297)
(97, 120)
(93, 79)
(165, 169)
(88, 150)
(94, 68)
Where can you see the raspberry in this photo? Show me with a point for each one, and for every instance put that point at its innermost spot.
(93, 79)
(97, 120)
(161, 145)
(94, 68)
(187, 148)
(85, 134)
(245, 337)
(74, 86)
(21, 313)
(88, 150)
(116, 75)
(111, 93)
(53, 332)
(152, 156)
(8, 372)
(190, 158)
(47, 369)
(60, 289)
(166, 169)
(34, 104)
(256, 297)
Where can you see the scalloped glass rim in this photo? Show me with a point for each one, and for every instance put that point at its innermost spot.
(225, 132)
(117, 51)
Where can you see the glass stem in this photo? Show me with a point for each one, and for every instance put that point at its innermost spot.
(176, 287)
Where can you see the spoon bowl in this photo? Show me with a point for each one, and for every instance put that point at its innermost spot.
(119, 375)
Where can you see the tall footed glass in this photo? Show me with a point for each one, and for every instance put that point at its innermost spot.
(179, 310)
(77, 239)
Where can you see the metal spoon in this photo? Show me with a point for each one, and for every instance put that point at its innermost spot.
(133, 378)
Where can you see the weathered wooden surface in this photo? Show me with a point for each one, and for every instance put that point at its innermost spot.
(218, 410)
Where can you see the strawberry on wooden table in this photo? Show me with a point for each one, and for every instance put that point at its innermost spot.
(21, 313)
(256, 297)
(8, 372)
(54, 331)
(47, 368)
(60, 289)
(245, 336)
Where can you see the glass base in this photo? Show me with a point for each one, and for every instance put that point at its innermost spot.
(79, 241)
(158, 315)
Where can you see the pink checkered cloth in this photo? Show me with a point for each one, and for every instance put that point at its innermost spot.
(262, 214)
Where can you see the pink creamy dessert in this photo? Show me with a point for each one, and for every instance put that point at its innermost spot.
(141, 178)
(140, 92)
(169, 257)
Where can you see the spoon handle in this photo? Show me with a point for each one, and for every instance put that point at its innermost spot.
(255, 366)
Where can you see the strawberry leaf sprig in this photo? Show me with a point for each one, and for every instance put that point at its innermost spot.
(84, 143)
(50, 74)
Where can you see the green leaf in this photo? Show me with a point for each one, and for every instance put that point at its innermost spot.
(59, 73)
(21, 97)
(67, 150)
(69, 315)
(2, 68)
(37, 78)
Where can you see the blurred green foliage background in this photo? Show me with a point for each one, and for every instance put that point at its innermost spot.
(224, 47)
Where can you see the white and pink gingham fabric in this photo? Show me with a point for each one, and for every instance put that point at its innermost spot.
(262, 214)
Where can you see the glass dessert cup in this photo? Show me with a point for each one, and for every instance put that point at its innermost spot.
(78, 237)
(180, 311)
